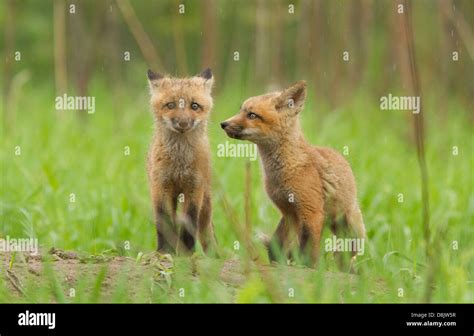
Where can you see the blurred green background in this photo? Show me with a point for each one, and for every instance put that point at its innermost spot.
(104, 48)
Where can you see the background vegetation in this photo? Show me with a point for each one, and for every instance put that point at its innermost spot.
(110, 223)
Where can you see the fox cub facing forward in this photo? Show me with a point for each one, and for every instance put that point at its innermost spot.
(179, 169)
(308, 184)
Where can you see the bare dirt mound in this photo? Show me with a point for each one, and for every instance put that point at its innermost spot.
(23, 271)
(23, 274)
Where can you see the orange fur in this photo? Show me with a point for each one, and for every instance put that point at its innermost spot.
(306, 183)
(179, 160)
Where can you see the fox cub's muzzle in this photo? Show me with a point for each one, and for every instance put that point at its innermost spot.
(232, 130)
(182, 124)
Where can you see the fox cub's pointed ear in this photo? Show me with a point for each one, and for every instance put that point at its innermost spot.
(208, 78)
(206, 73)
(291, 100)
(154, 78)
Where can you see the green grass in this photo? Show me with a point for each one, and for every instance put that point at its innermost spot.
(63, 154)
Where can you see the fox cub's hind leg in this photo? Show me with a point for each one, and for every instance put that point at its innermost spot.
(356, 226)
(349, 225)
(355, 222)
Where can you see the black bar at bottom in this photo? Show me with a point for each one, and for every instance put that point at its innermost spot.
(320, 319)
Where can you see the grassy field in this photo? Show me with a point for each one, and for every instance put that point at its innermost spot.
(74, 188)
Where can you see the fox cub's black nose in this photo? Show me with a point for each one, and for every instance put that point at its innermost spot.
(183, 124)
(224, 124)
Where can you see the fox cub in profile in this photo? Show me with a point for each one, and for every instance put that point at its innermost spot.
(308, 184)
(179, 168)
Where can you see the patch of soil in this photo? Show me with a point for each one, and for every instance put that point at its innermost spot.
(25, 272)
(68, 267)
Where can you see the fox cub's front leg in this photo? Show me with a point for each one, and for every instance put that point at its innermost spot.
(197, 224)
(165, 220)
(284, 243)
(189, 223)
(311, 237)
(205, 227)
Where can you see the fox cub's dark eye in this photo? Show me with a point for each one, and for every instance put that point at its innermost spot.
(252, 116)
(171, 105)
(195, 106)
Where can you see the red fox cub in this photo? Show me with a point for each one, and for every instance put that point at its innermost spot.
(179, 168)
(308, 184)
